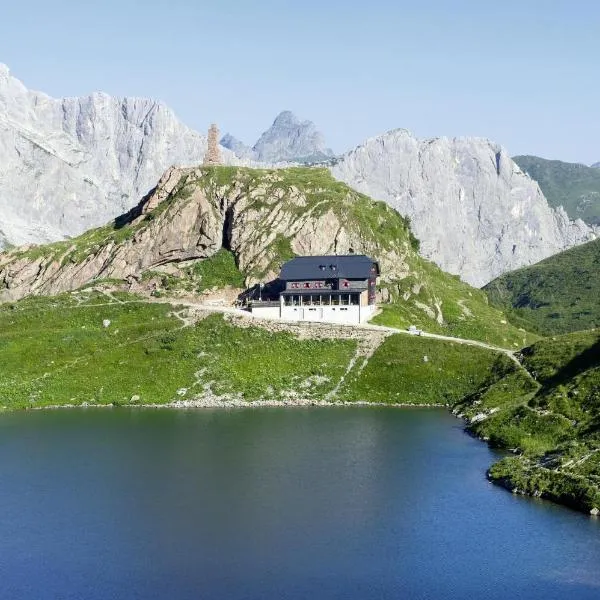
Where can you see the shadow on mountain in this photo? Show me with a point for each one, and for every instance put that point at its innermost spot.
(132, 214)
(588, 359)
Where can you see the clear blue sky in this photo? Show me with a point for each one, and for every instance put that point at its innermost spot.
(523, 73)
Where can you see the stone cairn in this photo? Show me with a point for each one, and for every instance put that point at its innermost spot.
(213, 153)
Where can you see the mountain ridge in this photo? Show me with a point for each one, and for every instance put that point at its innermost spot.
(70, 164)
(475, 212)
(80, 161)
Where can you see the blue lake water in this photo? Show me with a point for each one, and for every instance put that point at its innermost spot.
(344, 503)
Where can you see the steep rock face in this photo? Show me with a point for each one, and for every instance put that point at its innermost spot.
(69, 164)
(263, 217)
(474, 211)
(291, 140)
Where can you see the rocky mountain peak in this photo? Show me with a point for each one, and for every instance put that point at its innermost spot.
(287, 118)
(476, 213)
(237, 147)
(596, 165)
(289, 139)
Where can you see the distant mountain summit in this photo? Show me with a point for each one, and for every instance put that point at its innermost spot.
(287, 140)
(596, 165)
(290, 139)
(237, 147)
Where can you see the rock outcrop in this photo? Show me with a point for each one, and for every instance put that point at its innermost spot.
(73, 163)
(474, 211)
(287, 140)
(263, 217)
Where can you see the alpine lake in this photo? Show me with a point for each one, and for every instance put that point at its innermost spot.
(273, 503)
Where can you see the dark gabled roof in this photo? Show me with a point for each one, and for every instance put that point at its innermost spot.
(351, 266)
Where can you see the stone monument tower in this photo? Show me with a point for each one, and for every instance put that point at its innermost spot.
(213, 153)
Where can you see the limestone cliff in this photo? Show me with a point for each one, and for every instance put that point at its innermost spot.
(476, 213)
(73, 163)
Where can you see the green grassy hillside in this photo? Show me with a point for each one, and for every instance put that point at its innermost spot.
(93, 347)
(58, 351)
(552, 424)
(574, 186)
(557, 295)
(442, 303)
(408, 370)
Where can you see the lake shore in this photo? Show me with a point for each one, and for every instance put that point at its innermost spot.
(215, 402)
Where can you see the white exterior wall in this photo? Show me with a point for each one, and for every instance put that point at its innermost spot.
(326, 314)
(366, 312)
(266, 312)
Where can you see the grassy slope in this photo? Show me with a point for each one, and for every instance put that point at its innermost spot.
(415, 370)
(466, 311)
(557, 295)
(556, 427)
(57, 351)
(218, 271)
(574, 186)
